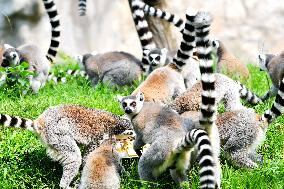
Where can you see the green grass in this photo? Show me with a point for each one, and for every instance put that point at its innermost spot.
(24, 164)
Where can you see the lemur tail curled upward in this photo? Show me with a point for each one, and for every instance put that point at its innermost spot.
(277, 108)
(55, 24)
(82, 7)
(145, 35)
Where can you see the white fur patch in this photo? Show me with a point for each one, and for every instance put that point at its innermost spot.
(8, 121)
(167, 16)
(208, 78)
(147, 35)
(206, 157)
(191, 11)
(19, 121)
(142, 24)
(7, 46)
(139, 13)
(159, 12)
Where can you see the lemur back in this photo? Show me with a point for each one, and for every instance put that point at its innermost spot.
(227, 90)
(113, 68)
(102, 168)
(228, 62)
(82, 7)
(61, 128)
(38, 62)
(274, 66)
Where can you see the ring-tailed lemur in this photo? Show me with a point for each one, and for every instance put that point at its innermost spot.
(166, 83)
(227, 90)
(228, 62)
(102, 168)
(274, 66)
(38, 62)
(242, 131)
(161, 127)
(145, 35)
(113, 68)
(62, 127)
(82, 7)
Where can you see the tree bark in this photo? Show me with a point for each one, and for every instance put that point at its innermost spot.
(162, 31)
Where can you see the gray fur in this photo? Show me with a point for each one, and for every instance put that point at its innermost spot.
(113, 68)
(274, 65)
(38, 63)
(61, 128)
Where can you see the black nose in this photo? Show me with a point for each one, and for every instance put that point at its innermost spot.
(14, 56)
(5, 63)
(128, 110)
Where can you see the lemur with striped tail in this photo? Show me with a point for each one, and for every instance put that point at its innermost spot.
(102, 168)
(38, 62)
(82, 7)
(61, 128)
(243, 131)
(166, 83)
(274, 66)
(227, 90)
(162, 128)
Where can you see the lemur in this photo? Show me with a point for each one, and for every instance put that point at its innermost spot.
(274, 66)
(228, 90)
(82, 6)
(242, 131)
(166, 83)
(162, 127)
(38, 62)
(228, 62)
(102, 168)
(61, 128)
(113, 68)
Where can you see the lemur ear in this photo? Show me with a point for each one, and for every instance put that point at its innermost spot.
(164, 51)
(119, 98)
(7, 46)
(140, 96)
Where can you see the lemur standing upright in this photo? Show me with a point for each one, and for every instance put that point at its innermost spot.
(38, 62)
(162, 128)
(61, 128)
(274, 66)
(102, 168)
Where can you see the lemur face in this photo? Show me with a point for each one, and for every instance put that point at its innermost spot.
(131, 105)
(10, 56)
(263, 60)
(158, 57)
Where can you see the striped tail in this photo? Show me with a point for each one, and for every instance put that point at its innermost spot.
(145, 35)
(200, 140)
(70, 73)
(82, 7)
(247, 95)
(55, 33)
(277, 108)
(17, 122)
(164, 15)
(188, 40)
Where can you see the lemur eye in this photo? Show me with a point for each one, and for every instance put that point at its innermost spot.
(158, 58)
(150, 58)
(133, 104)
(124, 104)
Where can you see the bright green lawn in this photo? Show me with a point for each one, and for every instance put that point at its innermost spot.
(24, 164)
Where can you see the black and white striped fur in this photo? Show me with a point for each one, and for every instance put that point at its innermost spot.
(55, 24)
(164, 15)
(82, 7)
(247, 95)
(208, 95)
(145, 35)
(277, 108)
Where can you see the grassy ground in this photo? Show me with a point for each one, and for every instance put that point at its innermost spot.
(24, 164)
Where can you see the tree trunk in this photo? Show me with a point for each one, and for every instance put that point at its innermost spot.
(162, 30)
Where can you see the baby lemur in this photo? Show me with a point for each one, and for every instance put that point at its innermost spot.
(162, 127)
(38, 62)
(102, 168)
(61, 128)
(274, 66)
